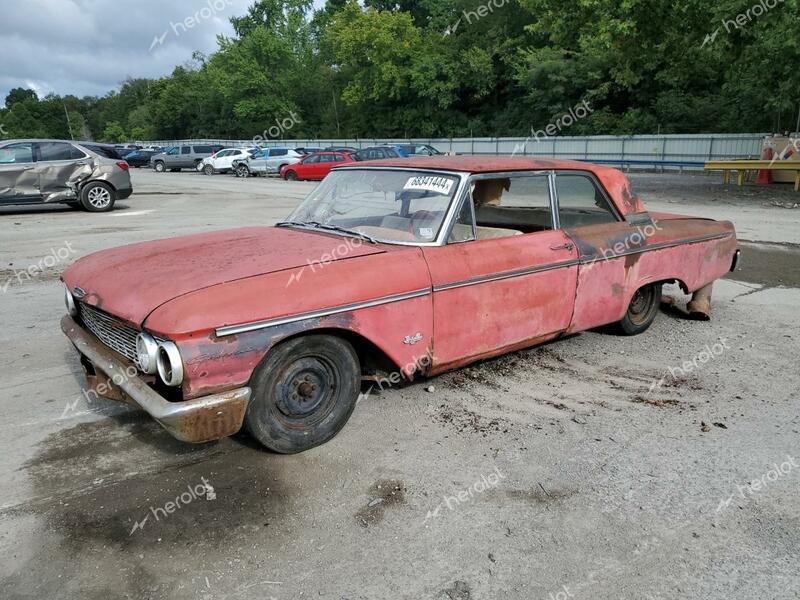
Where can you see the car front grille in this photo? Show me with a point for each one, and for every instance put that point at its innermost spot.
(110, 330)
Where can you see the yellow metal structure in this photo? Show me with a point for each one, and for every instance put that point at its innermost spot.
(746, 168)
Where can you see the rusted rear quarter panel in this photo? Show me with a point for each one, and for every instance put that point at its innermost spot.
(618, 259)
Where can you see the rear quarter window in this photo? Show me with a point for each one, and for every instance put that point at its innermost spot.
(203, 150)
(103, 151)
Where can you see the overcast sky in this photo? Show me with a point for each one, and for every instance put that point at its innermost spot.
(91, 46)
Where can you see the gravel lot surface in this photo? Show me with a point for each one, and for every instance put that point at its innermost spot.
(593, 467)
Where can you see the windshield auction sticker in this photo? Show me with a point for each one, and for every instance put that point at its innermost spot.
(429, 183)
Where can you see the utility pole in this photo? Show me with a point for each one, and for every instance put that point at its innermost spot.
(797, 129)
(69, 125)
(336, 113)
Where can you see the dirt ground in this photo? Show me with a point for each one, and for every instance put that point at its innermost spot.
(655, 467)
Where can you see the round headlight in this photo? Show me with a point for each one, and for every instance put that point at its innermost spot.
(170, 366)
(69, 300)
(147, 353)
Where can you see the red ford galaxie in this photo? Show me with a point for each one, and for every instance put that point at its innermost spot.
(408, 266)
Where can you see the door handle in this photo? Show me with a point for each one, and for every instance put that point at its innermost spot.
(567, 246)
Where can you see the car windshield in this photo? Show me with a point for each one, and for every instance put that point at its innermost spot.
(387, 205)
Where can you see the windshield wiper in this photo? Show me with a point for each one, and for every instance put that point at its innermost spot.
(317, 225)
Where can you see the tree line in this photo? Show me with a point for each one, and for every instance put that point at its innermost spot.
(456, 68)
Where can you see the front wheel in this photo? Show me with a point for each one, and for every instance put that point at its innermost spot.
(291, 176)
(159, 167)
(98, 197)
(208, 170)
(303, 393)
(242, 171)
(642, 310)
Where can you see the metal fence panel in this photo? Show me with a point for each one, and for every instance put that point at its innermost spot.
(638, 151)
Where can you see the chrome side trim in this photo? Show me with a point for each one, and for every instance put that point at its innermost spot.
(255, 326)
(585, 260)
(506, 275)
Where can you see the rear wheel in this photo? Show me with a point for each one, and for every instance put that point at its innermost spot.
(98, 197)
(303, 393)
(642, 310)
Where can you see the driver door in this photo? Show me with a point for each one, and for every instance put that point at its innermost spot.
(505, 282)
(19, 180)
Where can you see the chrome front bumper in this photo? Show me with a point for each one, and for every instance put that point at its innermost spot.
(196, 421)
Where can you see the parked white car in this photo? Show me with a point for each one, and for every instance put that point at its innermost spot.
(222, 161)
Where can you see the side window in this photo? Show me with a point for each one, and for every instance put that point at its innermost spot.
(464, 227)
(581, 202)
(52, 151)
(311, 159)
(278, 152)
(512, 205)
(338, 157)
(186, 150)
(16, 153)
(203, 150)
(173, 151)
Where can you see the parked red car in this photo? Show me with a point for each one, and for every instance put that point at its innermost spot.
(396, 269)
(315, 166)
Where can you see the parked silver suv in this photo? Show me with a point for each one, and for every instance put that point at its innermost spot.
(183, 157)
(268, 161)
(84, 174)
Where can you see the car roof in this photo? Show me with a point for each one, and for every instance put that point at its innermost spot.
(614, 181)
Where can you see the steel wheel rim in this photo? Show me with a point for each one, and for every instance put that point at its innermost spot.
(307, 392)
(99, 197)
(640, 306)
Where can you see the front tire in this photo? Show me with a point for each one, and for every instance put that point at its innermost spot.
(642, 310)
(208, 170)
(242, 171)
(159, 167)
(291, 176)
(98, 197)
(304, 392)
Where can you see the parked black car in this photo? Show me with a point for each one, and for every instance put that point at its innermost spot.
(379, 153)
(139, 158)
(421, 150)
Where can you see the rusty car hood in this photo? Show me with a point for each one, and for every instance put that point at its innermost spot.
(132, 281)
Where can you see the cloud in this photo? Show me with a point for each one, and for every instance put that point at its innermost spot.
(89, 47)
